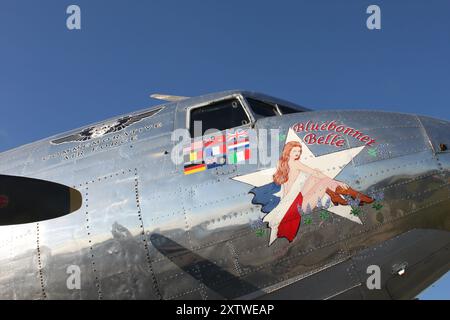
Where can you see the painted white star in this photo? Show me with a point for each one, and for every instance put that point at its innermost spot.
(329, 164)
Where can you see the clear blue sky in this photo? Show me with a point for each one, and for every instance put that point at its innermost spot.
(316, 53)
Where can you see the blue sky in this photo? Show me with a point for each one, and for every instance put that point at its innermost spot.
(316, 53)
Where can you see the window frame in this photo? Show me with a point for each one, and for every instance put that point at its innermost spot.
(282, 113)
(273, 104)
(239, 97)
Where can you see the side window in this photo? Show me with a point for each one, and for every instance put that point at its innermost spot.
(262, 109)
(287, 110)
(221, 115)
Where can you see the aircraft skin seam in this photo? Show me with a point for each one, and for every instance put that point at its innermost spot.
(306, 274)
(39, 258)
(374, 173)
(300, 253)
(144, 240)
(343, 291)
(209, 244)
(188, 234)
(426, 135)
(91, 252)
(270, 288)
(418, 178)
(235, 258)
(365, 129)
(206, 204)
(404, 153)
(105, 178)
(405, 215)
(425, 191)
(240, 195)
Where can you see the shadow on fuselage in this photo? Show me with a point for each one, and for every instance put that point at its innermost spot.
(200, 268)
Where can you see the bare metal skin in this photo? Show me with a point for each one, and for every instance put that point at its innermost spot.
(145, 230)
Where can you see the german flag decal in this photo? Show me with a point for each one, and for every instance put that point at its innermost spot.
(194, 168)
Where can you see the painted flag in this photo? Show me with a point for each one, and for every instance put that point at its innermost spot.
(213, 140)
(215, 151)
(193, 157)
(238, 156)
(213, 162)
(238, 146)
(194, 168)
(238, 134)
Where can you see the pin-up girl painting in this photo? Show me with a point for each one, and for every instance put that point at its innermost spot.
(295, 188)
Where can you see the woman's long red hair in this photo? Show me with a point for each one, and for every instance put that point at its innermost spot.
(281, 175)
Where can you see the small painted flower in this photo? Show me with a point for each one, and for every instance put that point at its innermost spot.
(354, 203)
(380, 196)
(308, 209)
(319, 203)
(256, 224)
(299, 209)
(327, 204)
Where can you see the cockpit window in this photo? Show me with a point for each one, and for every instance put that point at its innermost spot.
(221, 115)
(262, 109)
(287, 110)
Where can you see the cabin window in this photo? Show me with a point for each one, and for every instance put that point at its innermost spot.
(287, 110)
(262, 109)
(26, 200)
(221, 115)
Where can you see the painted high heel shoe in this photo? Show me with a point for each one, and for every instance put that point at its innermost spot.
(336, 198)
(354, 194)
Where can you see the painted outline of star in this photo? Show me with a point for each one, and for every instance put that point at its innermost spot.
(330, 164)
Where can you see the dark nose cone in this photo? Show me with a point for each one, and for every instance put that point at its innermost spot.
(4, 201)
(27, 200)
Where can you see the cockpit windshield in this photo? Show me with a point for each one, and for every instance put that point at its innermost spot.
(263, 109)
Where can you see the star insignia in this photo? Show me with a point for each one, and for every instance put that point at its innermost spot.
(330, 164)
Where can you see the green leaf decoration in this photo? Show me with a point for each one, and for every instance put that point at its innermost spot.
(260, 233)
(372, 152)
(324, 215)
(377, 206)
(356, 211)
(308, 220)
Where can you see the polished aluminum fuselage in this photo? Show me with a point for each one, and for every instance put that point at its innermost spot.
(147, 231)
